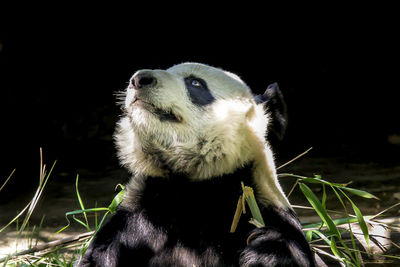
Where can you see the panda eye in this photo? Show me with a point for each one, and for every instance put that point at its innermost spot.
(196, 83)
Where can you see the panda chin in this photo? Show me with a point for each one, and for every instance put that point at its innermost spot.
(163, 115)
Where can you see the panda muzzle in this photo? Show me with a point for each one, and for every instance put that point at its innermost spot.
(163, 115)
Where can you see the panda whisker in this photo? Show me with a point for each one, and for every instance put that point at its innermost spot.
(120, 96)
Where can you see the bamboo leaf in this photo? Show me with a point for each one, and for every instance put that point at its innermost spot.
(316, 180)
(117, 200)
(309, 236)
(313, 180)
(334, 248)
(339, 198)
(355, 259)
(323, 196)
(256, 223)
(336, 222)
(358, 192)
(312, 198)
(337, 252)
(74, 212)
(252, 203)
(238, 213)
(324, 237)
(361, 221)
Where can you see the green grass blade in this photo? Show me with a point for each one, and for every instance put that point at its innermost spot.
(79, 212)
(85, 247)
(390, 256)
(81, 222)
(54, 257)
(81, 202)
(65, 227)
(4, 184)
(16, 218)
(39, 230)
(95, 216)
(312, 198)
(42, 184)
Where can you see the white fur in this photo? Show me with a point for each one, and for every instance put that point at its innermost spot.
(208, 141)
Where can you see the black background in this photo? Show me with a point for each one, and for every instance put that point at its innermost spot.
(59, 73)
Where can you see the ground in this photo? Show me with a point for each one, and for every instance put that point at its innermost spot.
(380, 179)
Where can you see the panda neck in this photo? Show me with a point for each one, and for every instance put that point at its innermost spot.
(177, 188)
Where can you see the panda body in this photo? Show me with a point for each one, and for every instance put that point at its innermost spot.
(190, 135)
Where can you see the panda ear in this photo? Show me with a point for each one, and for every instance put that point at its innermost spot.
(275, 105)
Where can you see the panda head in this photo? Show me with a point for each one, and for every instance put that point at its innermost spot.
(192, 119)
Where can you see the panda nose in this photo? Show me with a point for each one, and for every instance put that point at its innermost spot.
(143, 79)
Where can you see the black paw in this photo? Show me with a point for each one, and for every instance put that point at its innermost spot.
(271, 248)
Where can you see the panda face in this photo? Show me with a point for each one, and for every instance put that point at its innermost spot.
(190, 118)
(178, 93)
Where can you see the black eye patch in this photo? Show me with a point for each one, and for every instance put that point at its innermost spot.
(198, 91)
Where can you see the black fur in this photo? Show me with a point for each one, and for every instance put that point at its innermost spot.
(175, 222)
(199, 94)
(273, 101)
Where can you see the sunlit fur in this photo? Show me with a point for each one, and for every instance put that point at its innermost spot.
(208, 141)
(190, 135)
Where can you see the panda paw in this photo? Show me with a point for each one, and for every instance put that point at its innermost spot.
(271, 248)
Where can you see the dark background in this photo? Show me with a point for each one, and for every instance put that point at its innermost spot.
(58, 78)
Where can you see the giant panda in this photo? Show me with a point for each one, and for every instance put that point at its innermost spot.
(190, 135)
